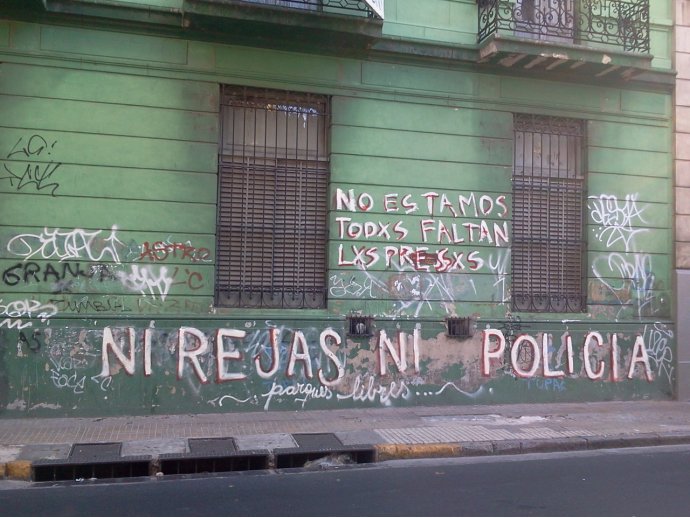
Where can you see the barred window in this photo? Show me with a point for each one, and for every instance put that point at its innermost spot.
(548, 250)
(272, 199)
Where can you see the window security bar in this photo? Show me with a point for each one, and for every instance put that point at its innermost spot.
(620, 23)
(347, 7)
(273, 199)
(548, 250)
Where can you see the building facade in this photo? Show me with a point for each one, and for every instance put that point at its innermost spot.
(232, 205)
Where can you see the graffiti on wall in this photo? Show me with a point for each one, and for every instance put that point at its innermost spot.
(471, 224)
(625, 272)
(168, 250)
(267, 367)
(460, 234)
(79, 261)
(29, 165)
(88, 271)
(617, 220)
(19, 313)
(659, 340)
(61, 245)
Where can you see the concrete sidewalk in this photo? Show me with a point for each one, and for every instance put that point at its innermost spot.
(392, 433)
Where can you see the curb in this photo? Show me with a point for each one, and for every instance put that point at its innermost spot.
(19, 470)
(416, 451)
(516, 447)
(22, 469)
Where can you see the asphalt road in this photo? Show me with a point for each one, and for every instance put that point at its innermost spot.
(625, 482)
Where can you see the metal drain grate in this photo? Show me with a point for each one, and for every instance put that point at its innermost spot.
(93, 452)
(317, 441)
(312, 447)
(91, 461)
(215, 447)
(213, 456)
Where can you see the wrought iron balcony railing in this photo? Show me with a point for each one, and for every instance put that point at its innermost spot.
(351, 7)
(619, 23)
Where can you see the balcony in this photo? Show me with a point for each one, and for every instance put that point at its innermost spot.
(583, 37)
(339, 25)
(373, 9)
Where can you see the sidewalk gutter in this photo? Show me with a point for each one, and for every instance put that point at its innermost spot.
(512, 447)
(13, 467)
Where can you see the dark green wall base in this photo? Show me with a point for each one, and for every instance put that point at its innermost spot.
(60, 369)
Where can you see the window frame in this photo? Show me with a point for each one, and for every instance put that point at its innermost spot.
(551, 193)
(282, 259)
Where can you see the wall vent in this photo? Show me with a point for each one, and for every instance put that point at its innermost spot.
(360, 326)
(459, 327)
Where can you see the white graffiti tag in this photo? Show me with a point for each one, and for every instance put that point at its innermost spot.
(658, 339)
(499, 266)
(144, 280)
(369, 389)
(16, 310)
(349, 287)
(68, 244)
(616, 219)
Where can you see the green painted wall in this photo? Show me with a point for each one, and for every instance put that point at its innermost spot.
(108, 143)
